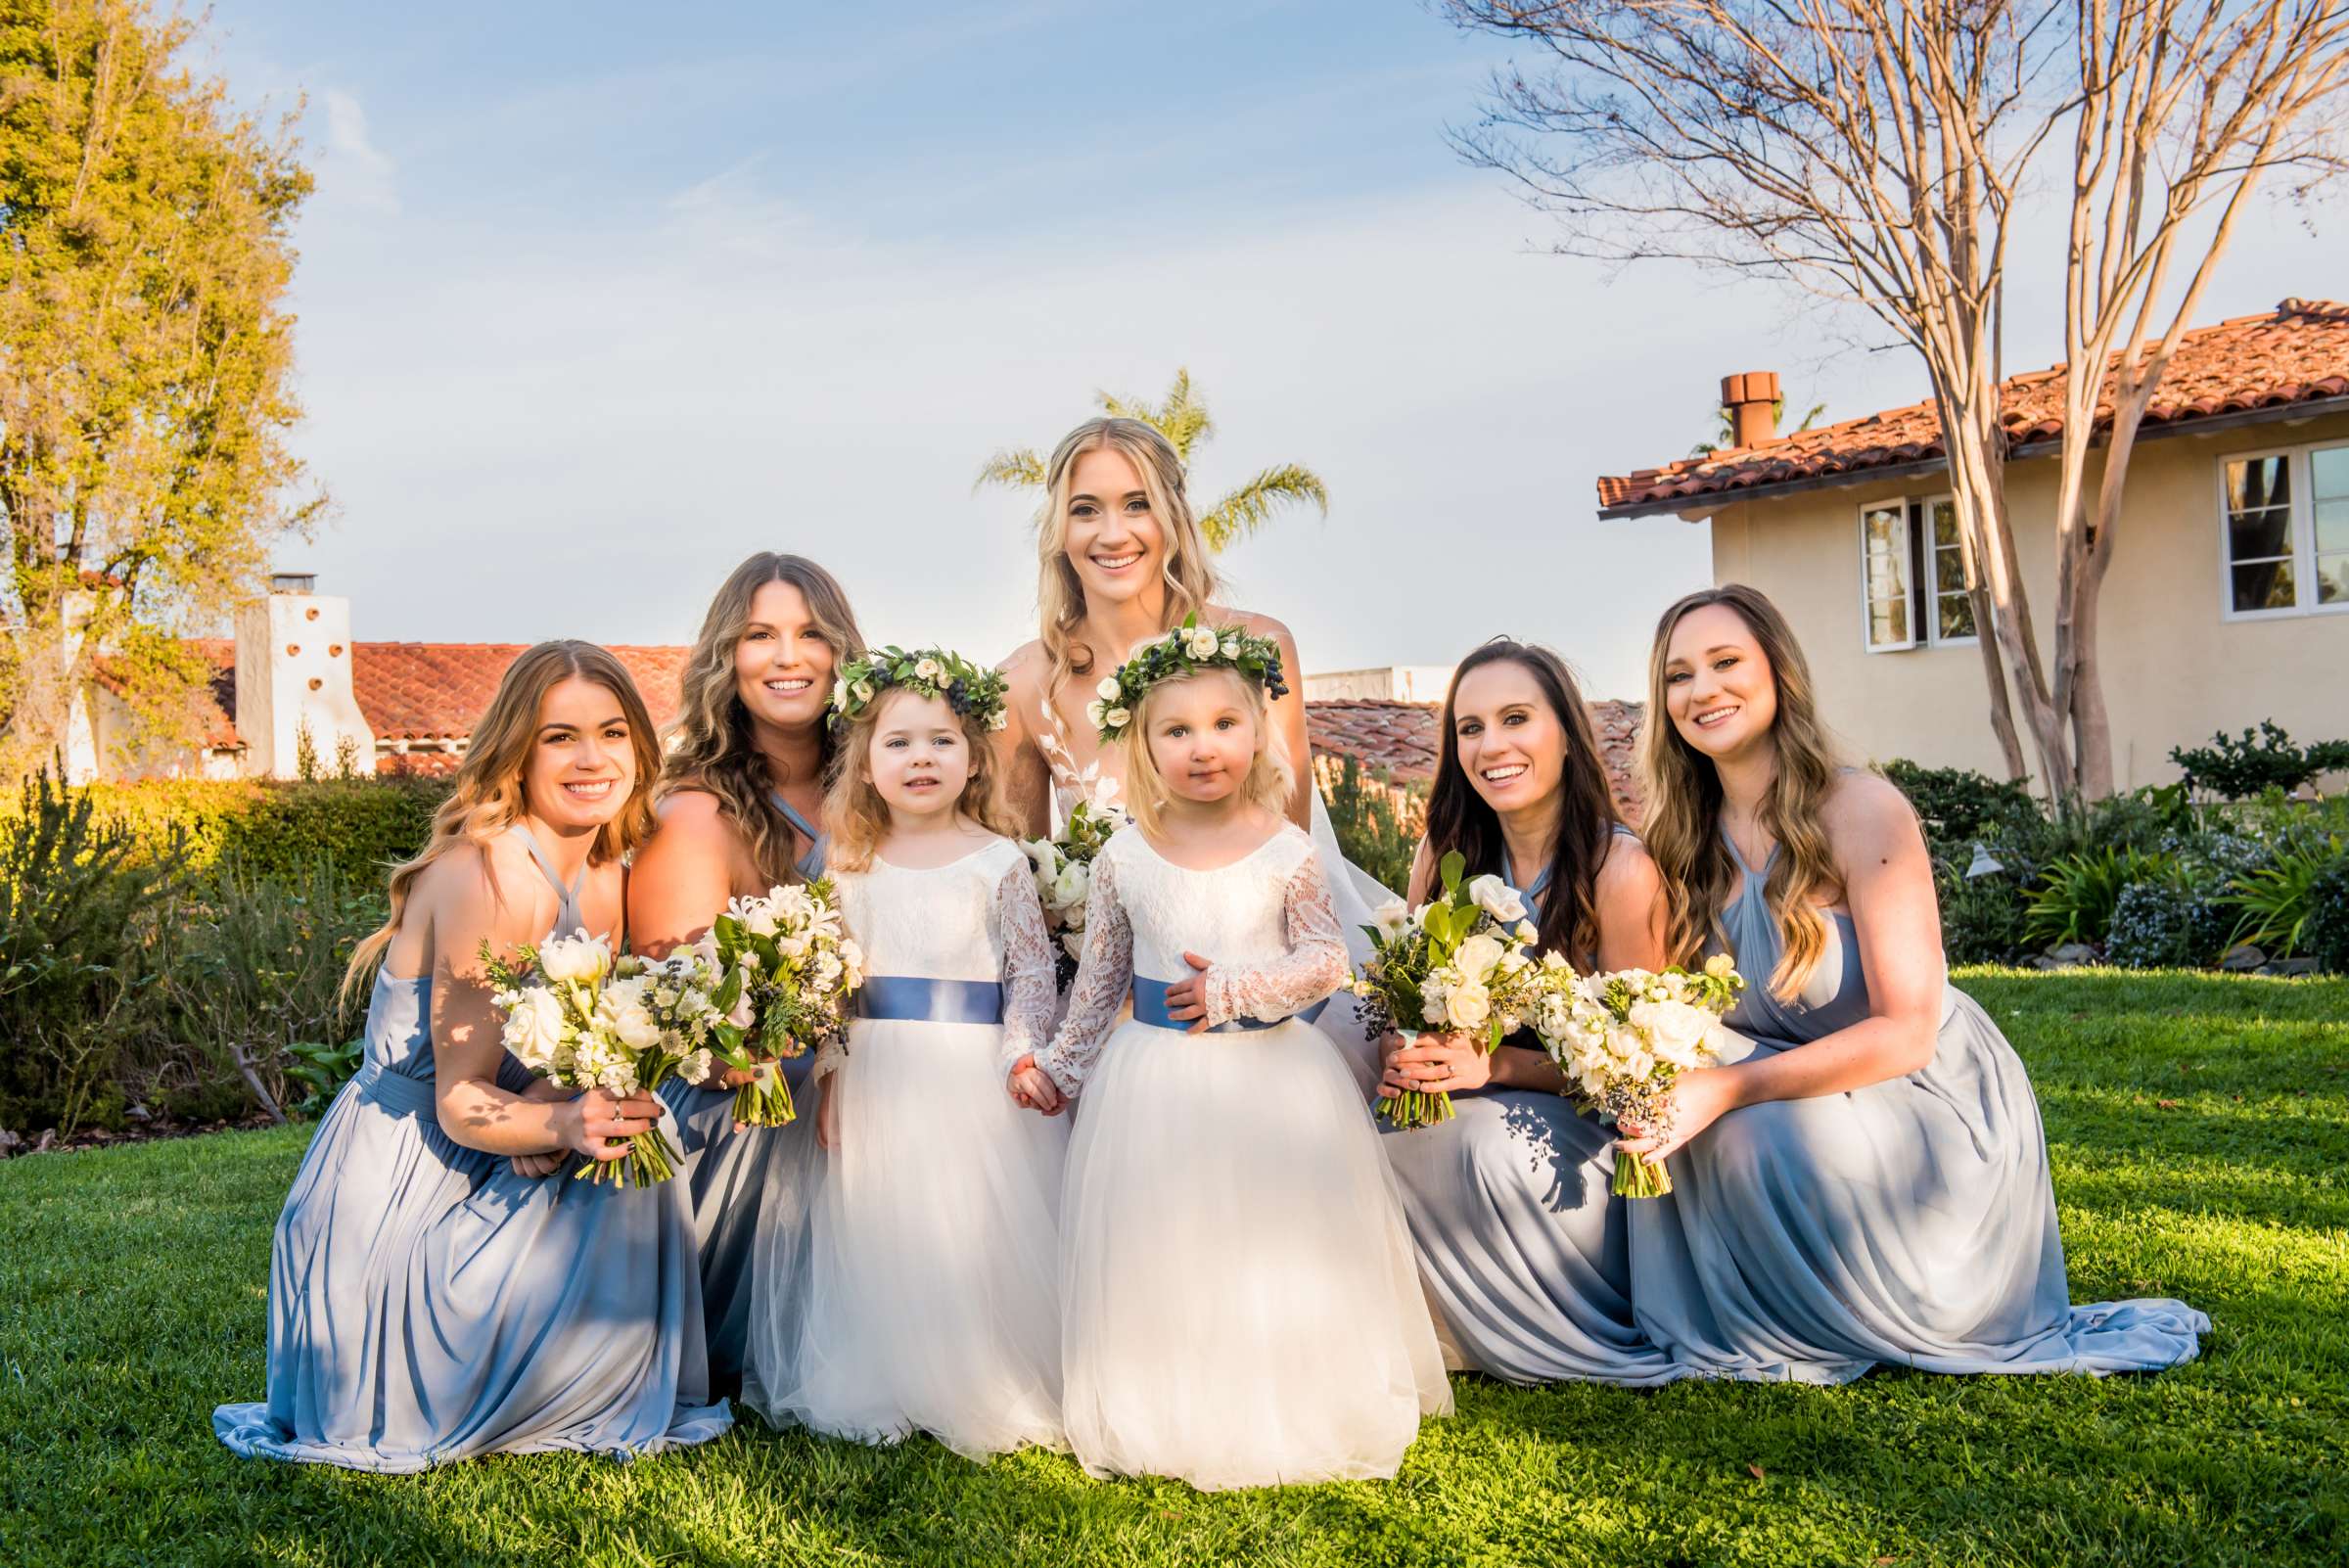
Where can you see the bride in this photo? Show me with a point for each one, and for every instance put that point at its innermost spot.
(1121, 561)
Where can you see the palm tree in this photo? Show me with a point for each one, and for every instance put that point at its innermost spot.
(1182, 419)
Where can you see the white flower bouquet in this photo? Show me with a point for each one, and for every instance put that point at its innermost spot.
(1622, 1038)
(789, 969)
(1064, 880)
(1460, 962)
(579, 1017)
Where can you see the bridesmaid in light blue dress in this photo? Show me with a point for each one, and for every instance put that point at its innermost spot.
(439, 1286)
(1522, 1249)
(1870, 1185)
(740, 789)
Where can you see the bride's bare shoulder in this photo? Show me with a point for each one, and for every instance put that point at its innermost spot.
(1260, 626)
(1026, 665)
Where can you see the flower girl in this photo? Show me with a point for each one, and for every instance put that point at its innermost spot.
(1240, 1302)
(934, 1293)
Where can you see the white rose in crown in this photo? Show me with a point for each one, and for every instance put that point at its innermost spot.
(925, 669)
(581, 957)
(839, 693)
(1496, 899)
(533, 1029)
(865, 691)
(1107, 691)
(1231, 646)
(1199, 642)
(1118, 718)
(1393, 918)
(1097, 714)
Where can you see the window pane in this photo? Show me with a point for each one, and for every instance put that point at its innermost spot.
(2268, 586)
(1887, 622)
(1957, 615)
(2332, 525)
(2257, 482)
(1949, 572)
(2333, 579)
(2328, 472)
(1945, 525)
(2258, 535)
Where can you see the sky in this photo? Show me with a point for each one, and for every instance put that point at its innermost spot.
(595, 300)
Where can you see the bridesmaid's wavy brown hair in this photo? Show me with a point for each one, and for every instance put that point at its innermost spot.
(487, 798)
(1683, 820)
(711, 746)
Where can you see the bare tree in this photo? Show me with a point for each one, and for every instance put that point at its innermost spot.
(1870, 152)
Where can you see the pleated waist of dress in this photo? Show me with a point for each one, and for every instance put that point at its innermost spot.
(395, 1093)
(1150, 1007)
(912, 998)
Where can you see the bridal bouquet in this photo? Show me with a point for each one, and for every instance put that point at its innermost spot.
(1622, 1038)
(1458, 962)
(789, 968)
(1064, 880)
(579, 1017)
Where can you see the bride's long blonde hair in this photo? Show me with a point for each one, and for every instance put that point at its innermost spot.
(1683, 797)
(487, 795)
(1187, 571)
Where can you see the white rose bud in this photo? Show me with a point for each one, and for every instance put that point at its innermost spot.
(1231, 646)
(1107, 691)
(1117, 718)
(925, 669)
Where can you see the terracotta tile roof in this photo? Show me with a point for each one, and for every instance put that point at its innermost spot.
(1400, 738)
(436, 690)
(2295, 354)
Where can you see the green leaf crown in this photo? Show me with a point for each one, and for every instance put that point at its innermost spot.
(974, 692)
(1185, 651)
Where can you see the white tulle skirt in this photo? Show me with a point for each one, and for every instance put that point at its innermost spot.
(1239, 1299)
(933, 1299)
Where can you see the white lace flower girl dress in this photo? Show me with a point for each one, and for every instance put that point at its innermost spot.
(933, 1296)
(1239, 1300)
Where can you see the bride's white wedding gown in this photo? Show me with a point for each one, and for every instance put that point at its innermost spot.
(1238, 1297)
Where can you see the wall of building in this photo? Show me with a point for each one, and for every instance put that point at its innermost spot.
(2175, 670)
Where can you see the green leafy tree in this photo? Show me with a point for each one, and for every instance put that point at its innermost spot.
(1182, 419)
(145, 362)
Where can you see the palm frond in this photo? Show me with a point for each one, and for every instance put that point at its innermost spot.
(1014, 468)
(1182, 419)
(1250, 506)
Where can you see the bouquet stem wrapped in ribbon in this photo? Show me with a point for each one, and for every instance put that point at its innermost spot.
(579, 1017)
(789, 970)
(1623, 1039)
(1460, 962)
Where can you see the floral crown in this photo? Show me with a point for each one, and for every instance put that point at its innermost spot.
(1185, 651)
(969, 690)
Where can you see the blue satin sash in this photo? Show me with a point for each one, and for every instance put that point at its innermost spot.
(393, 1092)
(910, 998)
(1150, 1007)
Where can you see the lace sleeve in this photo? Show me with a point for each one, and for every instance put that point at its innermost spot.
(1313, 966)
(1104, 979)
(1031, 978)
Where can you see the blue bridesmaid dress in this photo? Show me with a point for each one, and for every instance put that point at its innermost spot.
(1910, 1223)
(1522, 1249)
(426, 1304)
(738, 1177)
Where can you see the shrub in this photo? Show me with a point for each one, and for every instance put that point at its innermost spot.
(2274, 905)
(2159, 924)
(2241, 769)
(1958, 806)
(2076, 901)
(274, 828)
(1370, 831)
(2327, 931)
(73, 889)
(248, 969)
(1981, 919)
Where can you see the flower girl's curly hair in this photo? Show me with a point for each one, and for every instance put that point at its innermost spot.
(856, 818)
(487, 795)
(1268, 782)
(711, 744)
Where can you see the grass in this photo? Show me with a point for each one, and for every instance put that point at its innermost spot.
(2200, 1129)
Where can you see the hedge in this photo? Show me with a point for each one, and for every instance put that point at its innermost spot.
(275, 828)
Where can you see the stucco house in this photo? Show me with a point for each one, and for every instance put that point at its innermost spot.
(2228, 599)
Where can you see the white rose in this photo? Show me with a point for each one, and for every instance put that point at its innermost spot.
(1231, 646)
(1199, 642)
(533, 1031)
(1393, 918)
(1469, 1006)
(1721, 966)
(1117, 718)
(1478, 955)
(865, 691)
(840, 692)
(581, 957)
(1496, 899)
(1069, 889)
(1097, 714)
(925, 669)
(1107, 691)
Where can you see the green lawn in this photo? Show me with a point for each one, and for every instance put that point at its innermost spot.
(2199, 1128)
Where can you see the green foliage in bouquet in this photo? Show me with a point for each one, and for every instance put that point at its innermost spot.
(784, 956)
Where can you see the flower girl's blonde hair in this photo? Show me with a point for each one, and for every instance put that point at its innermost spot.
(1268, 782)
(487, 796)
(857, 818)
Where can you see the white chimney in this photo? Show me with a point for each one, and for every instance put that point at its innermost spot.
(293, 673)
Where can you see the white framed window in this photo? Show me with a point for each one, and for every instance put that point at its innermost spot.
(2283, 531)
(1913, 590)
